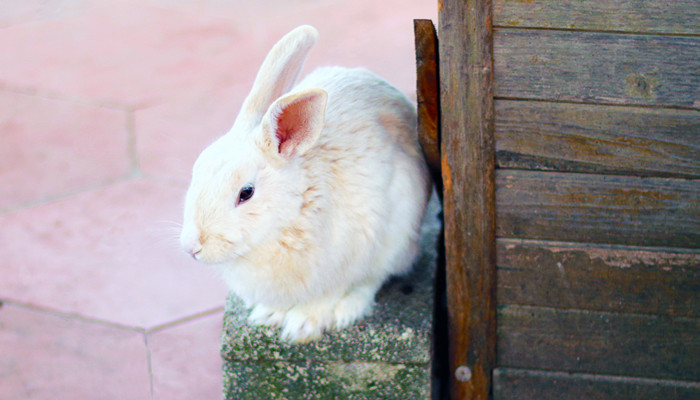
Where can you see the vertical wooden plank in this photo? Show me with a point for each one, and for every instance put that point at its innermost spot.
(467, 157)
(428, 95)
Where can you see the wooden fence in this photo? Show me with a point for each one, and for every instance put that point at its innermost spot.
(569, 150)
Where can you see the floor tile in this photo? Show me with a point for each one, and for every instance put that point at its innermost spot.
(186, 361)
(110, 254)
(172, 134)
(131, 53)
(377, 35)
(161, 50)
(17, 12)
(48, 357)
(50, 147)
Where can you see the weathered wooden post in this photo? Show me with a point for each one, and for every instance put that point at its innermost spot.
(467, 159)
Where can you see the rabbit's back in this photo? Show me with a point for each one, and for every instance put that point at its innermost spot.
(365, 118)
(369, 158)
(357, 98)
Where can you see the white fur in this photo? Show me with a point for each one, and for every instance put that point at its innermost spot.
(336, 209)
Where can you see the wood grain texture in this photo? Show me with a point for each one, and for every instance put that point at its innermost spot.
(645, 16)
(598, 208)
(597, 67)
(428, 95)
(661, 281)
(600, 343)
(597, 139)
(515, 384)
(466, 98)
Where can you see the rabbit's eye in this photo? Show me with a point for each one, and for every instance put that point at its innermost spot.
(245, 194)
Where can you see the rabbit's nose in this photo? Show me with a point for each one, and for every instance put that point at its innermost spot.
(191, 243)
(195, 252)
(194, 248)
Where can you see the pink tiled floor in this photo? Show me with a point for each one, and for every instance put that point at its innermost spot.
(104, 105)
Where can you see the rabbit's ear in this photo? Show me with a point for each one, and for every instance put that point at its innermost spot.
(280, 70)
(293, 123)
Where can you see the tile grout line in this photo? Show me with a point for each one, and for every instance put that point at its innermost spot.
(149, 331)
(65, 314)
(58, 96)
(85, 189)
(183, 320)
(65, 195)
(149, 363)
(84, 101)
(132, 143)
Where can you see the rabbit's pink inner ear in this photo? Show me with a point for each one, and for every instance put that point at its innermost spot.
(299, 123)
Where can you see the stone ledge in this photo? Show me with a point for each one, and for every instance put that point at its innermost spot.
(388, 355)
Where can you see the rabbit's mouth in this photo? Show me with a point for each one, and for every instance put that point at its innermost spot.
(217, 251)
(207, 258)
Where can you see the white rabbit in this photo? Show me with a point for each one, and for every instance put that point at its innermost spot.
(314, 197)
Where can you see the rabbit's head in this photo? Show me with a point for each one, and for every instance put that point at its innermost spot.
(247, 185)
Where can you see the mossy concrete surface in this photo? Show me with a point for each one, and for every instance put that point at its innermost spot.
(388, 355)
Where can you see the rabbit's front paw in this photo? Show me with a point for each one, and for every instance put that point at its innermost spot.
(267, 316)
(307, 322)
(355, 305)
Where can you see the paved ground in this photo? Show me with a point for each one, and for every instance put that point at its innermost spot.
(104, 105)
